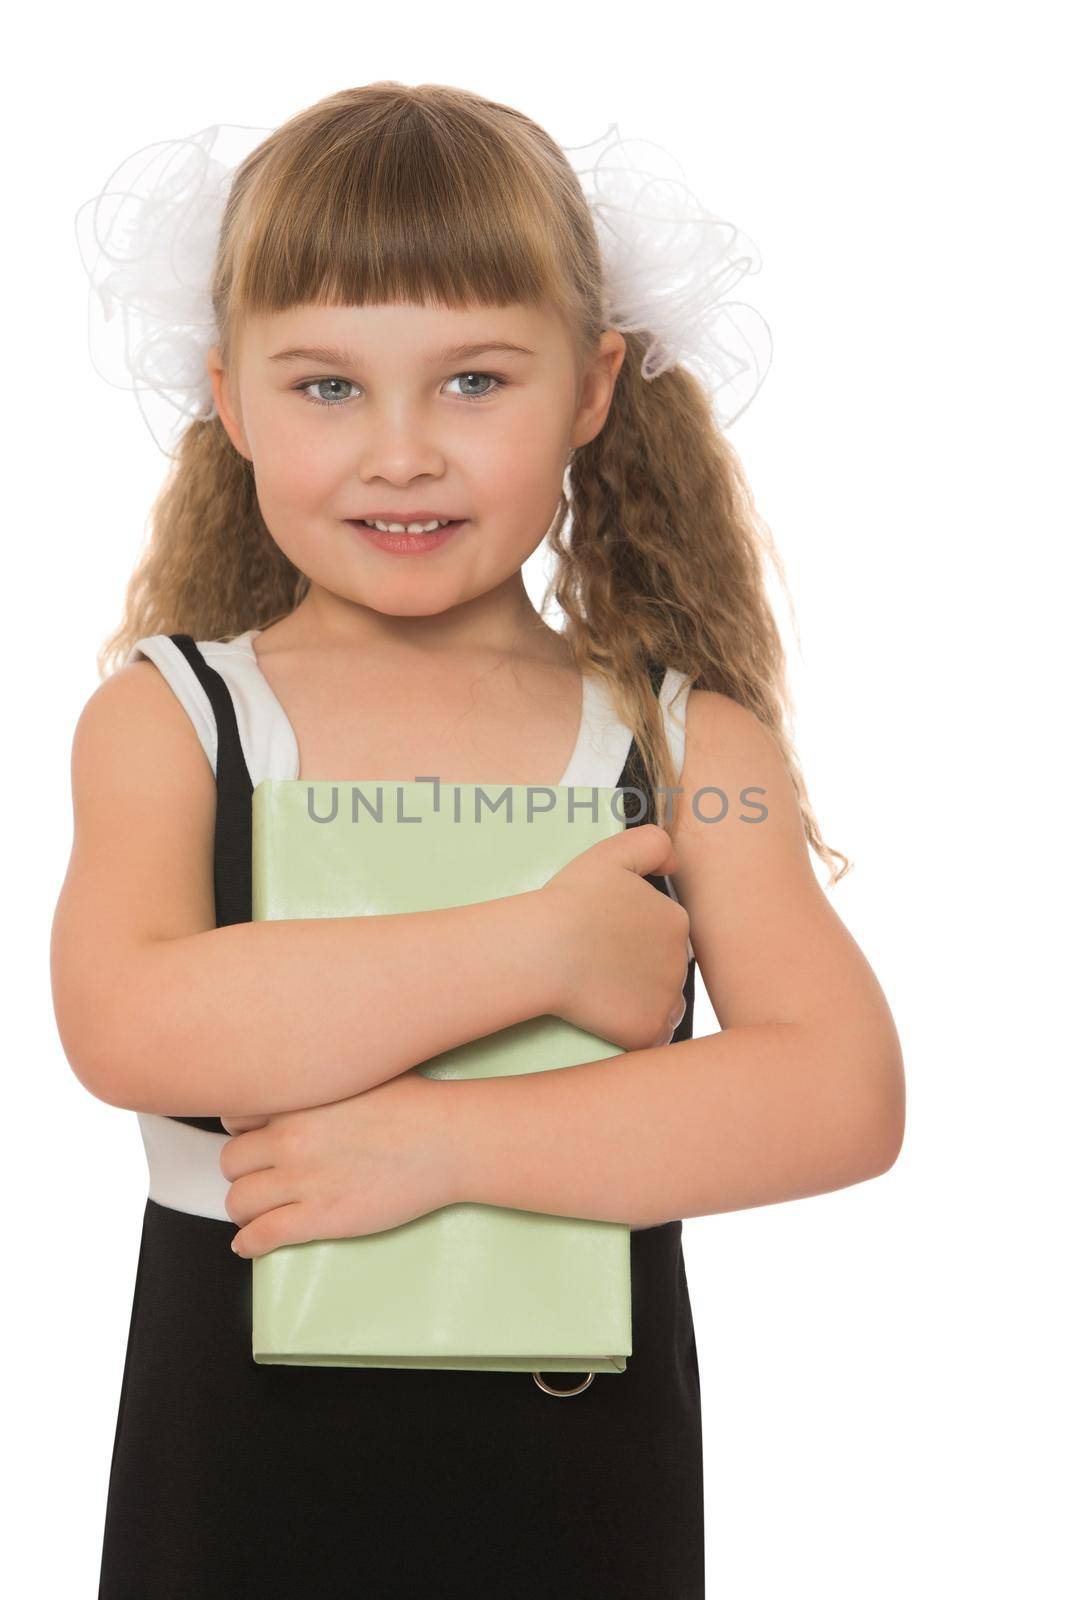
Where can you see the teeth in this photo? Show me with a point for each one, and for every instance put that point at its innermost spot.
(406, 527)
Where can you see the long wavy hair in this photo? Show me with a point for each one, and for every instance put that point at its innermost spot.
(387, 194)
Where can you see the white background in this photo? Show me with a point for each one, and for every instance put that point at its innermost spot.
(881, 1367)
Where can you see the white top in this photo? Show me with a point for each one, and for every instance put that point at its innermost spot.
(269, 742)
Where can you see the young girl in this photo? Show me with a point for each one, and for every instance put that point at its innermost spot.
(415, 322)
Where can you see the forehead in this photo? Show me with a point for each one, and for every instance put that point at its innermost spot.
(419, 333)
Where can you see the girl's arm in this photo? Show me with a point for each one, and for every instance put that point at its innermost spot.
(801, 1092)
(160, 1011)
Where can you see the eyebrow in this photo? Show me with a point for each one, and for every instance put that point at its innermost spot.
(460, 352)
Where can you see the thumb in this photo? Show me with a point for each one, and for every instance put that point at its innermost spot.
(646, 849)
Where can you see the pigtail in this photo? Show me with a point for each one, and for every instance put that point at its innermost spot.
(211, 567)
(665, 562)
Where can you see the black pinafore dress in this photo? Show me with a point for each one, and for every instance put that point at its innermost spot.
(235, 1481)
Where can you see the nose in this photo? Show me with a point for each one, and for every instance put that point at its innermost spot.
(398, 446)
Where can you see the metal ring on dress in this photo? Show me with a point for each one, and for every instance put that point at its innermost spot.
(562, 1393)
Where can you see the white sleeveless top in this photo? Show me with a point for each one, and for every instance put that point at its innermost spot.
(183, 1161)
(269, 743)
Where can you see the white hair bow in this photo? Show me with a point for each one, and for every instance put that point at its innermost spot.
(148, 240)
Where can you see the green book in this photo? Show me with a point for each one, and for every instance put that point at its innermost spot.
(473, 1286)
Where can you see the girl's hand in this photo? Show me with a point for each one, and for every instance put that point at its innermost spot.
(336, 1171)
(623, 955)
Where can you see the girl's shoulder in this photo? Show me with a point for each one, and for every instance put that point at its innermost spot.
(266, 737)
(224, 655)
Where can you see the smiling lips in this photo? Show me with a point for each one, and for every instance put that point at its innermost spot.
(413, 539)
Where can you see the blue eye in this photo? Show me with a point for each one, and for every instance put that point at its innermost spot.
(497, 380)
(314, 383)
(494, 378)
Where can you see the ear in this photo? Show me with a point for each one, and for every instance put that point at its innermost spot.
(598, 386)
(226, 402)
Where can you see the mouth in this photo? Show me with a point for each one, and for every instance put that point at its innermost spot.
(417, 538)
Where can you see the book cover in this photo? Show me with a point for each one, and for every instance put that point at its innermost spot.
(470, 1285)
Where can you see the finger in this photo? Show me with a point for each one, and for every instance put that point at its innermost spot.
(646, 849)
(672, 1025)
(247, 1152)
(266, 1233)
(244, 1124)
(259, 1192)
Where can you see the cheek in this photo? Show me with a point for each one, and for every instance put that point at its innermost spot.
(519, 464)
(535, 484)
(299, 468)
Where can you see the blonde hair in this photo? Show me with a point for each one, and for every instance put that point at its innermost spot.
(389, 193)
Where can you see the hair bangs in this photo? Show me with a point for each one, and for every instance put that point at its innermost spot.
(401, 210)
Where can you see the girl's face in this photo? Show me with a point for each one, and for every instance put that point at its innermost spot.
(365, 412)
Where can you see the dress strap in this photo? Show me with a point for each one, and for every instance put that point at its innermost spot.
(666, 684)
(233, 816)
(206, 696)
